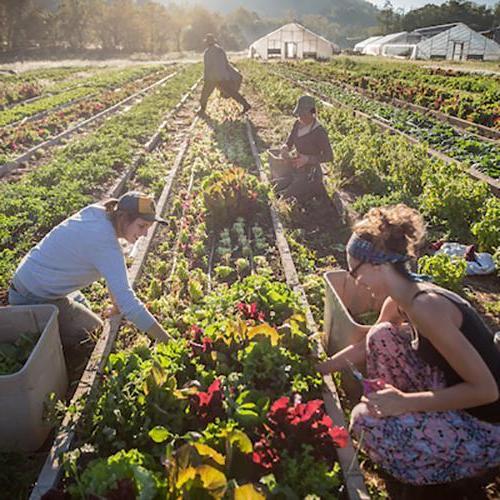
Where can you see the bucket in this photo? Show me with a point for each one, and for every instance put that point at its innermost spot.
(23, 394)
(280, 168)
(345, 299)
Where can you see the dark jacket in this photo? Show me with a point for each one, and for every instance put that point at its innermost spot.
(216, 64)
(314, 144)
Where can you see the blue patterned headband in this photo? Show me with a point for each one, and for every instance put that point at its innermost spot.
(364, 251)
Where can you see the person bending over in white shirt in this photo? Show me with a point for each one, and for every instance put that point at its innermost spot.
(81, 250)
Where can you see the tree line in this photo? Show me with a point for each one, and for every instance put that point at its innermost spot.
(156, 28)
(126, 25)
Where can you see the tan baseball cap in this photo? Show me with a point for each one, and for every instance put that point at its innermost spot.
(140, 205)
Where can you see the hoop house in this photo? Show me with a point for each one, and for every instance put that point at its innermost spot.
(292, 41)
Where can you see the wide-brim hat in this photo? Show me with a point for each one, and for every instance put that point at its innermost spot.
(141, 205)
(305, 104)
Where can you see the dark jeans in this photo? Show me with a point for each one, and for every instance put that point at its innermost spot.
(209, 86)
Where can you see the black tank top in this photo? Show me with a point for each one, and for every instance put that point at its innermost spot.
(480, 336)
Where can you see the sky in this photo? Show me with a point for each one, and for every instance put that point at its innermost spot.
(409, 4)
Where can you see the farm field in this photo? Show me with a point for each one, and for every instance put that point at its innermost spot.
(455, 92)
(232, 407)
(465, 146)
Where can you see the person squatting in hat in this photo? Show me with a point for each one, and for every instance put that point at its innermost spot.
(310, 140)
(434, 415)
(80, 250)
(218, 73)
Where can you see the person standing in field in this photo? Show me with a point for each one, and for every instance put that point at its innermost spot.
(218, 73)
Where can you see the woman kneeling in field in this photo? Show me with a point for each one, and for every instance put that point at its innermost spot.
(436, 415)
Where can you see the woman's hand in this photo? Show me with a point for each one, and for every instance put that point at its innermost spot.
(387, 402)
(300, 161)
(110, 311)
(285, 151)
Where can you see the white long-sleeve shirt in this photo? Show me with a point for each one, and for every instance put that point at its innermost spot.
(77, 252)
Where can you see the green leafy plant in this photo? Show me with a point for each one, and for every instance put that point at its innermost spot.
(232, 194)
(302, 476)
(123, 475)
(446, 271)
(13, 355)
(487, 229)
(453, 200)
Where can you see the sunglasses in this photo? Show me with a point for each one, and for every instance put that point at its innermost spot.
(353, 272)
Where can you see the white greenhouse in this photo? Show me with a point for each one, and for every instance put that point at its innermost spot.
(448, 41)
(458, 43)
(359, 47)
(292, 41)
(375, 47)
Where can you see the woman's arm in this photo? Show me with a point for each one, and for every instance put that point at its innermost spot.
(110, 263)
(355, 353)
(156, 332)
(435, 318)
(325, 153)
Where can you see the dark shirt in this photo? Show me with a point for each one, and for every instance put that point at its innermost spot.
(480, 336)
(314, 144)
(216, 65)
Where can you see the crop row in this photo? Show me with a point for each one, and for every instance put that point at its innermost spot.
(79, 172)
(470, 97)
(17, 88)
(464, 147)
(90, 86)
(17, 140)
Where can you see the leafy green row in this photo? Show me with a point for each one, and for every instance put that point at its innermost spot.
(89, 86)
(17, 88)
(78, 173)
(25, 135)
(471, 97)
(389, 170)
(465, 148)
(46, 74)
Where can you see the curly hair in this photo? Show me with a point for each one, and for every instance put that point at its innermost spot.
(396, 228)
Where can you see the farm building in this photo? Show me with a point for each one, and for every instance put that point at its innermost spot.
(292, 41)
(448, 41)
(376, 47)
(458, 42)
(359, 47)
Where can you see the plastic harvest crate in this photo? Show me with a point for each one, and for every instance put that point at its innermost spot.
(345, 298)
(278, 166)
(23, 394)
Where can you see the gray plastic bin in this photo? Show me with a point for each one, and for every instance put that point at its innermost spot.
(279, 167)
(345, 298)
(23, 394)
